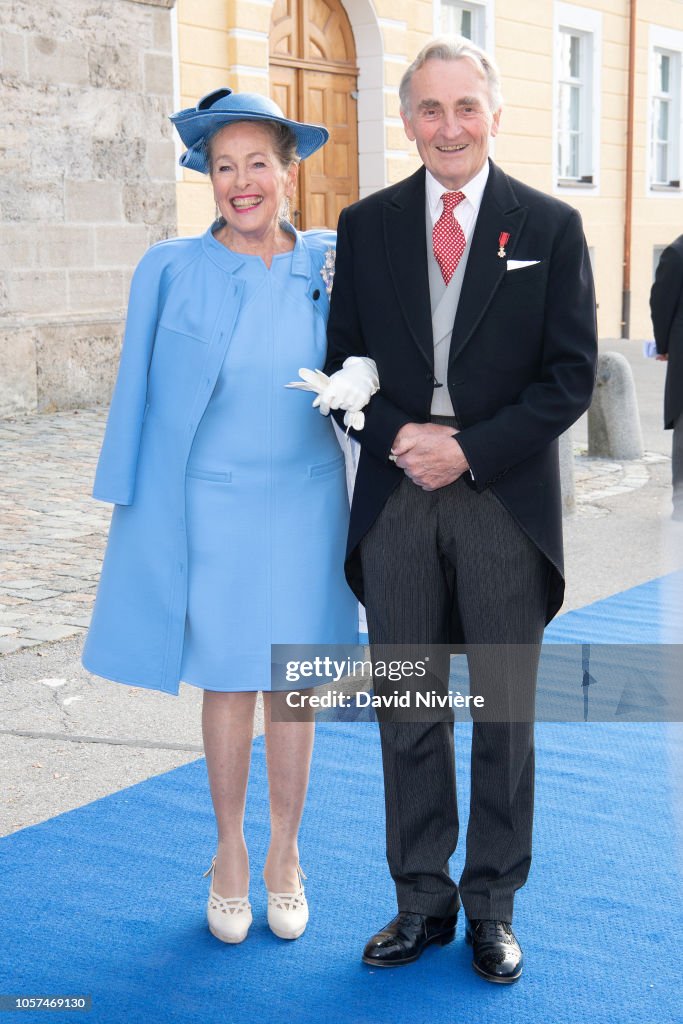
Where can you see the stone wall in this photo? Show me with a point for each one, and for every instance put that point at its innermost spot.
(87, 183)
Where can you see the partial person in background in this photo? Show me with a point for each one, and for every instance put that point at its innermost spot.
(230, 499)
(666, 307)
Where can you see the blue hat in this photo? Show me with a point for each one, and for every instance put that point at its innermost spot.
(223, 106)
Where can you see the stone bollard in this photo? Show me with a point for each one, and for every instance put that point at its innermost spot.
(567, 473)
(614, 430)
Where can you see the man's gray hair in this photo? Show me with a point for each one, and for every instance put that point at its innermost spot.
(454, 48)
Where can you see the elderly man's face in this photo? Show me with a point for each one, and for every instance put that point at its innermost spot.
(450, 120)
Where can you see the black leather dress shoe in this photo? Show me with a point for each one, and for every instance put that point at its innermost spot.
(403, 939)
(497, 956)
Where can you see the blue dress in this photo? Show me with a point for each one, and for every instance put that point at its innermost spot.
(254, 578)
(231, 513)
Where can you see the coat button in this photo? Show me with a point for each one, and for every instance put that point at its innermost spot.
(316, 294)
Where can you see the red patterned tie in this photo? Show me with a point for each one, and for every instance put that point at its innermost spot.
(447, 237)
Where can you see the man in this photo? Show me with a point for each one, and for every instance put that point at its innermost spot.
(473, 294)
(666, 307)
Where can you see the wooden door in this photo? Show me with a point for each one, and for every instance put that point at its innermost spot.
(313, 77)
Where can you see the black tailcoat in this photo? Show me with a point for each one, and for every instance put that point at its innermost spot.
(522, 357)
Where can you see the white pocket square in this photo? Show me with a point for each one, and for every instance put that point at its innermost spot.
(518, 264)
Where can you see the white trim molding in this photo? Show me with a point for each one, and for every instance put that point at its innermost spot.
(372, 148)
(581, 27)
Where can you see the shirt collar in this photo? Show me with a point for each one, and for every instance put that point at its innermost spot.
(473, 190)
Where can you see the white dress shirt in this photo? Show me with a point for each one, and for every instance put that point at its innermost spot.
(466, 211)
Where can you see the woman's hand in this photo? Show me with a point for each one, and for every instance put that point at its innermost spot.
(350, 388)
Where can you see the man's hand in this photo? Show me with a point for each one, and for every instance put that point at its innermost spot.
(659, 357)
(429, 454)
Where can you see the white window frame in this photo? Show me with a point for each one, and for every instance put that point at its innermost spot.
(483, 19)
(586, 23)
(669, 98)
(669, 41)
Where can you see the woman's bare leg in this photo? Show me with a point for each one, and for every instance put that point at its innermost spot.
(227, 728)
(289, 745)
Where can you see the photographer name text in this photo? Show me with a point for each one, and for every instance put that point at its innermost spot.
(364, 699)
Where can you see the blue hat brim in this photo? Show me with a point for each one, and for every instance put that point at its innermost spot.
(196, 124)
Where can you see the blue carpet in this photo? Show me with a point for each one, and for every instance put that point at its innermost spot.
(108, 900)
(648, 614)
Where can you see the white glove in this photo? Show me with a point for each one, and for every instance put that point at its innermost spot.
(311, 380)
(349, 388)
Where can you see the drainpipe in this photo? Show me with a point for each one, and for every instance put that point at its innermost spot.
(628, 219)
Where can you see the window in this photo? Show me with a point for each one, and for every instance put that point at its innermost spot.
(573, 141)
(665, 119)
(578, 33)
(664, 112)
(464, 18)
(459, 19)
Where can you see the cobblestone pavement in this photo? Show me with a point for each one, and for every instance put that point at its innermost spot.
(596, 480)
(52, 533)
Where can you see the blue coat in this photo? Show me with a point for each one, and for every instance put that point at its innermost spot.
(183, 315)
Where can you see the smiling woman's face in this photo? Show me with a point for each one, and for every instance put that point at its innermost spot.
(249, 181)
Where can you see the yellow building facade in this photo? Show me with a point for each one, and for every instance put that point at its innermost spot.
(592, 108)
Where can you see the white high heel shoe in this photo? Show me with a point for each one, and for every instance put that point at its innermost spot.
(229, 917)
(288, 911)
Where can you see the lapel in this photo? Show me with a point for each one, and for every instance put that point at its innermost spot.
(406, 249)
(499, 211)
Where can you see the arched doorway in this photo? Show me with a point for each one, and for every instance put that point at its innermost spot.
(313, 77)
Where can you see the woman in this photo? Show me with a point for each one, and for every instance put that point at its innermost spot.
(230, 515)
